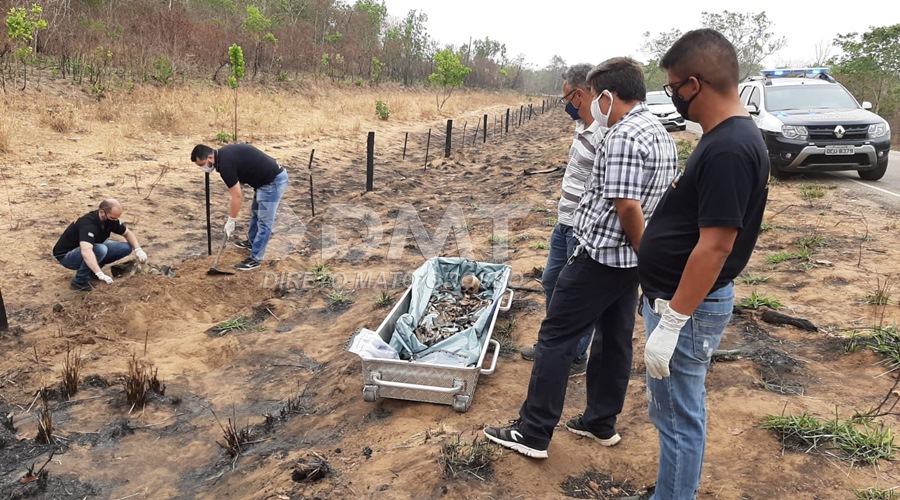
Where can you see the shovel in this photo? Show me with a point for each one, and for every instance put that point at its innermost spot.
(212, 270)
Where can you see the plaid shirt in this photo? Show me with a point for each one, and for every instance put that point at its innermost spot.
(636, 160)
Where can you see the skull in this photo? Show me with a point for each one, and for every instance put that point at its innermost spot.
(469, 284)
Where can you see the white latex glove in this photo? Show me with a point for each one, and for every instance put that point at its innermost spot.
(140, 254)
(662, 341)
(229, 226)
(104, 278)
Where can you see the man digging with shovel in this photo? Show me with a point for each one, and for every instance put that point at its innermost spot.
(244, 164)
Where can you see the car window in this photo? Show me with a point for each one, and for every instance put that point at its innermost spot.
(745, 93)
(809, 97)
(658, 99)
(755, 98)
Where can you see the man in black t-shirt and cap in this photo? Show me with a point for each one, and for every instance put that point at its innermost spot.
(83, 246)
(244, 164)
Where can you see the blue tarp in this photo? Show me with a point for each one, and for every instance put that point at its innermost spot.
(462, 348)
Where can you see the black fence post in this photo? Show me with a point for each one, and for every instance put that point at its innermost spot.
(427, 147)
(4, 323)
(312, 201)
(507, 121)
(405, 138)
(521, 114)
(530, 111)
(370, 162)
(449, 140)
(543, 102)
(208, 222)
(484, 135)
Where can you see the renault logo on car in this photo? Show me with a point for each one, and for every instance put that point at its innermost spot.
(839, 131)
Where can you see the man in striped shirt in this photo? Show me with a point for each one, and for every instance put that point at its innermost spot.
(598, 285)
(577, 98)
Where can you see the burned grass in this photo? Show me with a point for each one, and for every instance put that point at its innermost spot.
(593, 484)
(477, 459)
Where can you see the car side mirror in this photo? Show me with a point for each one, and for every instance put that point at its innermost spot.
(866, 105)
(753, 109)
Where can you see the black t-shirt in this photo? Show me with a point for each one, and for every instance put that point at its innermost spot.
(724, 184)
(87, 228)
(245, 164)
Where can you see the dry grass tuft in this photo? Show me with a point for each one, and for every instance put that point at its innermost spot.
(45, 422)
(136, 383)
(5, 137)
(60, 118)
(71, 372)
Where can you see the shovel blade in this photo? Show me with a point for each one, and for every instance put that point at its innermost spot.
(215, 272)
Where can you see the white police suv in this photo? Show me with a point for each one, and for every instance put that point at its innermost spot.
(810, 122)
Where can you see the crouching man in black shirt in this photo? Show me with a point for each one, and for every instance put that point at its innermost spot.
(244, 164)
(83, 247)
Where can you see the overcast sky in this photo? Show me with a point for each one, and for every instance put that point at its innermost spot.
(577, 32)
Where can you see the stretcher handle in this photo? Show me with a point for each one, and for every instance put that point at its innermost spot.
(504, 308)
(458, 385)
(494, 362)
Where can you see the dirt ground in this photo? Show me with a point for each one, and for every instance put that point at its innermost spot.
(288, 385)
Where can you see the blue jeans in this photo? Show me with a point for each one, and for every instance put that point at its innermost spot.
(106, 253)
(262, 214)
(678, 402)
(562, 245)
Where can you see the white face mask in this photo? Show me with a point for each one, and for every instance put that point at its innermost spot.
(208, 168)
(599, 117)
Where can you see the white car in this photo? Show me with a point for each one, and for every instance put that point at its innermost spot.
(661, 106)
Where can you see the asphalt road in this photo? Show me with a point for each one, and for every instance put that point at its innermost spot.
(886, 190)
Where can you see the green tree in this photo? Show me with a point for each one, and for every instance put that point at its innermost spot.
(236, 56)
(750, 34)
(449, 73)
(22, 27)
(870, 66)
(258, 26)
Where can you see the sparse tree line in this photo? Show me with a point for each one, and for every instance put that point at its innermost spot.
(102, 42)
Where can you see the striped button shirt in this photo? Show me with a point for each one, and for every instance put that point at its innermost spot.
(636, 160)
(581, 162)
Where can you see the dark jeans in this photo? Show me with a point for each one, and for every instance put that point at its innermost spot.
(562, 245)
(106, 253)
(587, 293)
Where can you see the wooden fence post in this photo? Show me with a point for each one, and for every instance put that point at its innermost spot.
(4, 322)
(427, 147)
(370, 162)
(484, 140)
(449, 141)
(312, 201)
(405, 138)
(507, 121)
(208, 222)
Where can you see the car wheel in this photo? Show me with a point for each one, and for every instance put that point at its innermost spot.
(875, 173)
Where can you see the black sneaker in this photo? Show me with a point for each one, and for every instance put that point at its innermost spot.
(576, 425)
(578, 369)
(243, 244)
(81, 286)
(512, 437)
(248, 264)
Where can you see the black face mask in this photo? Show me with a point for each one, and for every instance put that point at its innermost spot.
(682, 105)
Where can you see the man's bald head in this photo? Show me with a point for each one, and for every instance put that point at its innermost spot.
(705, 54)
(111, 207)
